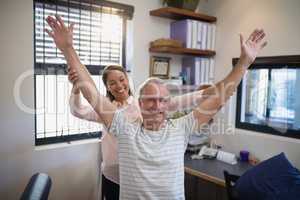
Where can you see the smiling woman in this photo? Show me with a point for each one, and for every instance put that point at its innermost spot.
(116, 81)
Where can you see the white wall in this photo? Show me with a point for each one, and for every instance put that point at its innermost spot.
(73, 167)
(280, 20)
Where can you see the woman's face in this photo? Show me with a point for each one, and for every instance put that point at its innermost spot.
(118, 85)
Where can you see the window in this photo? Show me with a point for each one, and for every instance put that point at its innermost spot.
(99, 39)
(268, 97)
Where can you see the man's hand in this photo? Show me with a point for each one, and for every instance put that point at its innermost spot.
(251, 47)
(61, 34)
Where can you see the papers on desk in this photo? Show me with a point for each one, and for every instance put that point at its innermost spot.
(223, 156)
(226, 157)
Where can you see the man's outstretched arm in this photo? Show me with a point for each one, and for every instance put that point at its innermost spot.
(63, 38)
(218, 94)
(188, 100)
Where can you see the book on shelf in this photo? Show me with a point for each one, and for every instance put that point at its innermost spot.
(213, 36)
(196, 76)
(188, 69)
(211, 70)
(199, 35)
(204, 36)
(207, 70)
(198, 71)
(182, 31)
(208, 39)
(194, 34)
(202, 70)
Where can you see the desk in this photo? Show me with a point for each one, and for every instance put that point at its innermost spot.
(204, 179)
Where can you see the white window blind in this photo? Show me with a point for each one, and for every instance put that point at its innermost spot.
(98, 38)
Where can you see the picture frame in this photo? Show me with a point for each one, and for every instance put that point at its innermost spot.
(160, 67)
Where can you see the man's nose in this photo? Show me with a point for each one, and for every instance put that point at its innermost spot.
(156, 104)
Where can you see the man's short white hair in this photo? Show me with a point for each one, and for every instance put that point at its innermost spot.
(151, 80)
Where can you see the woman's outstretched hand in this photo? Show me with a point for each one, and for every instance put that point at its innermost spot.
(61, 34)
(251, 47)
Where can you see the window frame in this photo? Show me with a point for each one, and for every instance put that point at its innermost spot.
(60, 69)
(272, 62)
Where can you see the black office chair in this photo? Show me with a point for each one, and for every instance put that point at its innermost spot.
(230, 180)
(38, 187)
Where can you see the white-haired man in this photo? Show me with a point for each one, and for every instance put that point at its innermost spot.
(151, 151)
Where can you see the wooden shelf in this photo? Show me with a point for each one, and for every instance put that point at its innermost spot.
(179, 14)
(183, 51)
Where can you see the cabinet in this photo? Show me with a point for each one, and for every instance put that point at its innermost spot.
(197, 188)
(204, 179)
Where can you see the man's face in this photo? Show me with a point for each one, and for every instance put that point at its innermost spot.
(154, 102)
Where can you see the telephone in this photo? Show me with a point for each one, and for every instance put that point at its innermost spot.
(209, 153)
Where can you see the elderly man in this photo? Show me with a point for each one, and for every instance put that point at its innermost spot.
(151, 150)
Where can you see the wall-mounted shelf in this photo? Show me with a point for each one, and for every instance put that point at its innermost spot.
(179, 14)
(182, 51)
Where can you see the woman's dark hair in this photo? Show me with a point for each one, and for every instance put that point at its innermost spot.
(105, 73)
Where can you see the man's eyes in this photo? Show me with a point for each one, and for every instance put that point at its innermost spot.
(159, 99)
